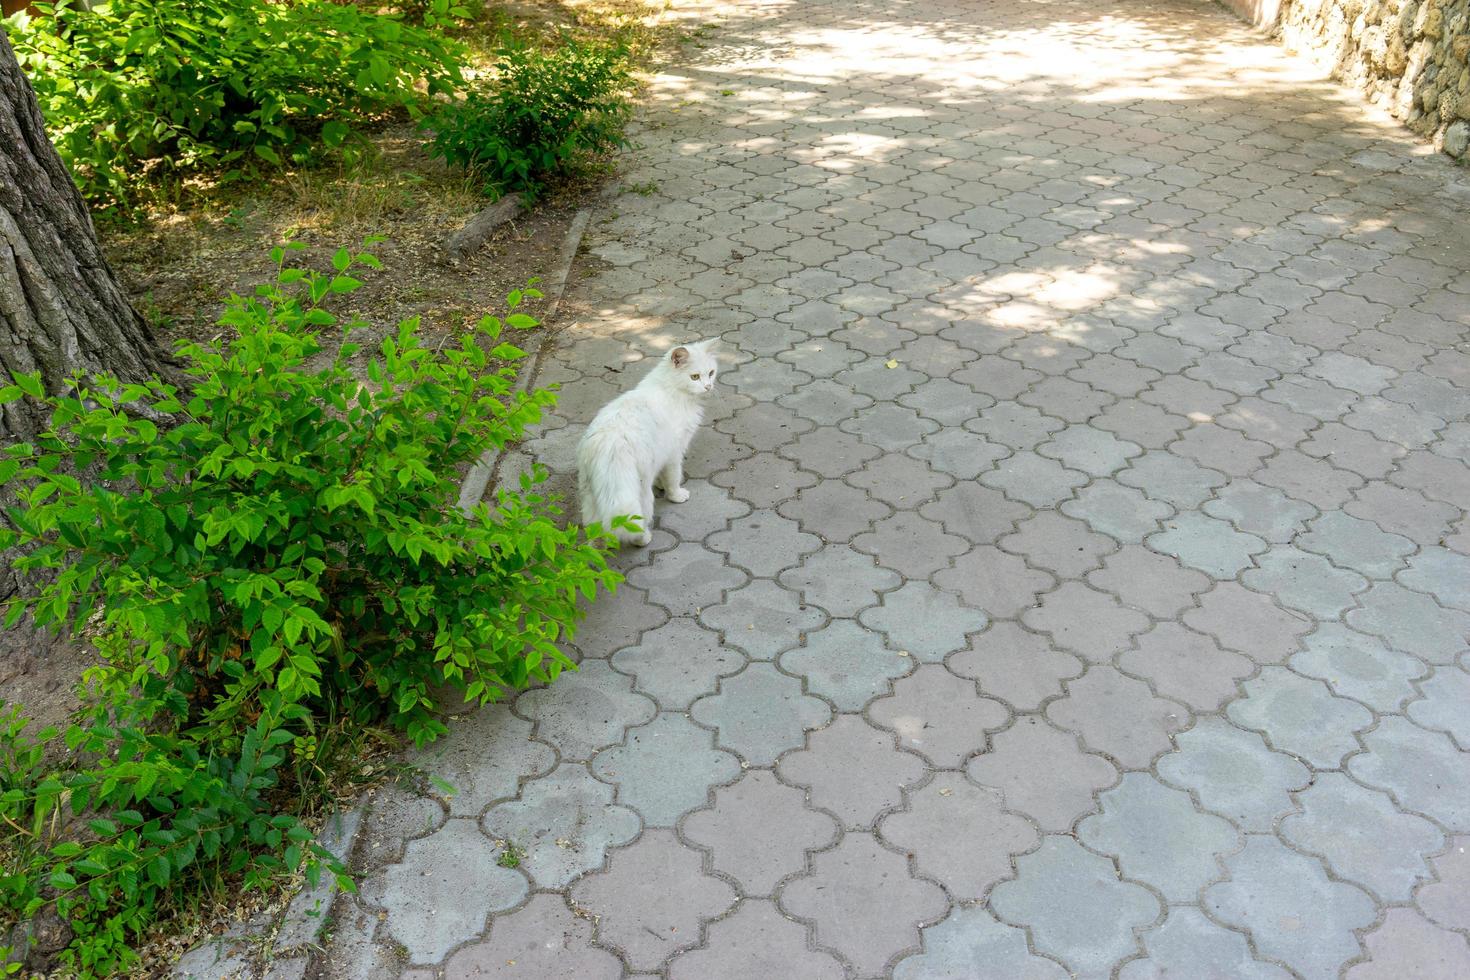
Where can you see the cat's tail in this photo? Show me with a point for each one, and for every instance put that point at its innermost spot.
(608, 486)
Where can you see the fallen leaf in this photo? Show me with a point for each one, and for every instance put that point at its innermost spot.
(891, 365)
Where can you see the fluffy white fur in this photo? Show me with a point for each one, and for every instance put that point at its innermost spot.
(638, 440)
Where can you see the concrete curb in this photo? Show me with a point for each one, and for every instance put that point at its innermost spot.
(472, 487)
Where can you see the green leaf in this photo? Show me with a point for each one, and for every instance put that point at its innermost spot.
(267, 154)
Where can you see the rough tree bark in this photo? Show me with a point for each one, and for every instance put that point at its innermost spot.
(61, 308)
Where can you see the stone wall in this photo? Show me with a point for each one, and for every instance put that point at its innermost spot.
(1411, 57)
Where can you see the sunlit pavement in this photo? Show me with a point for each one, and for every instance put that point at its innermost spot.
(1074, 581)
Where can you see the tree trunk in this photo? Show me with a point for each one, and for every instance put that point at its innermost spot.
(61, 309)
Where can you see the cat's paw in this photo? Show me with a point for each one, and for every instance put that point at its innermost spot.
(643, 540)
(677, 495)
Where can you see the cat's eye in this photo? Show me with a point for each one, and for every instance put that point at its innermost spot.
(694, 377)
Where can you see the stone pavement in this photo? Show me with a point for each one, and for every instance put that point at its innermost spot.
(1074, 581)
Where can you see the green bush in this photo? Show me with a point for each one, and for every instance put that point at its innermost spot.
(285, 557)
(231, 84)
(540, 117)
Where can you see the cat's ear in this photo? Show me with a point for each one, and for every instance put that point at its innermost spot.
(679, 356)
(711, 346)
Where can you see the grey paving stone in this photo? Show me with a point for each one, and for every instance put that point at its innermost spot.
(754, 943)
(686, 579)
(518, 947)
(852, 769)
(969, 943)
(1301, 716)
(1273, 892)
(1210, 545)
(763, 543)
(1174, 480)
(846, 664)
(759, 831)
(938, 715)
(927, 827)
(1159, 837)
(1146, 580)
(651, 899)
(1034, 479)
(900, 480)
(1090, 623)
(1359, 666)
(1412, 622)
(1442, 573)
(443, 891)
(1234, 774)
(1190, 945)
(1074, 906)
(561, 824)
(1407, 945)
(665, 768)
(1020, 668)
(1249, 623)
(483, 757)
(927, 622)
(1362, 836)
(910, 545)
(1095, 452)
(763, 480)
(760, 713)
(762, 619)
(1358, 544)
(1030, 746)
(1120, 512)
(1118, 716)
(585, 710)
(677, 662)
(862, 902)
(834, 511)
(1186, 666)
(841, 580)
(1061, 545)
(1424, 771)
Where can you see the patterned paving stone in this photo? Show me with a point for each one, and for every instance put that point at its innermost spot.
(963, 455)
(1234, 774)
(1118, 716)
(1446, 901)
(846, 664)
(1412, 622)
(562, 824)
(999, 584)
(938, 715)
(1190, 945)
(762, 619)
(1249, 623)
(757, 941)
(585, 710)
(971, 942)
(851, 895)
(1424, 771)
(852, 769)
(900, 480)
(1034, 479)
(763, 543)
(974, 512)
(651, 898)
(910, 545)
(927, 622)
(1362, 836)
(484, 756)
(1030, 746)
(1301, 717)
(1158, 836)
(1273, 893)
(1304, 581)
(927, 826)
(1407, 945)
(518, 947)
(1358, 544)
(677, 662)
(760, 713)
(1149, 581)
(1263, 511)
(1210, 545)
(1442, 573)
(1442, 708)
(1020, 668)
(1090, 623)
(444, 889)
(1361, 667)
(759, 831)
(1172, 479)
(1061, 545)
(834, 511)
(686, 579)
(1186, 666)
(840, 580)
(665, 768)
(1073, 905)
(1120, 512)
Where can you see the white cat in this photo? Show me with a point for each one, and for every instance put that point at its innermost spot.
(639, 439)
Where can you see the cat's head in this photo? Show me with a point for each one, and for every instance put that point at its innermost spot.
(694, 367)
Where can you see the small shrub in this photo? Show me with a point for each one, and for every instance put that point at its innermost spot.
(219, 84)
(542, 115)
(285, 557)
